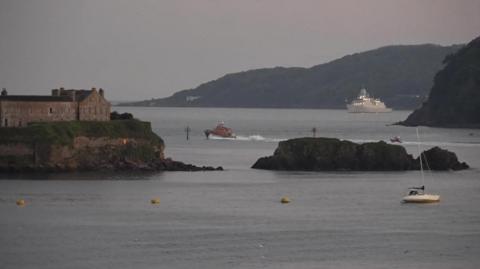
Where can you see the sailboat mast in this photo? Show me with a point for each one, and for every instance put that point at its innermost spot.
(420, 157)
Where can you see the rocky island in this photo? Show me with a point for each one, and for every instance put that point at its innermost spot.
(74, 130)
(454, 99)
(86, 146)
(331, 154)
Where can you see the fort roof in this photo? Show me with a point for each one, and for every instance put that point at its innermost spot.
(36, 98)
(60, 96)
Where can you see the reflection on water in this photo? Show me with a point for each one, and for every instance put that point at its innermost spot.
(89, 175)
(234, 218)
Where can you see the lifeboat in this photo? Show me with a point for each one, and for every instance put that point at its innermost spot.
(220, 130)
(395, 139)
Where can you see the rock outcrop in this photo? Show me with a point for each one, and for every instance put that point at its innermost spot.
(454, 99)
(331, 154)
(86, 146)
(440, 159)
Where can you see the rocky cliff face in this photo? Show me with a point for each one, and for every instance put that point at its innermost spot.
(85, 146)
(85, 153)
(331, 154)
(454, 100)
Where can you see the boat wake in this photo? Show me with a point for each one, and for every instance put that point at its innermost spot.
(248, 138)
(431, 143)
(447, 144)
(260, 138)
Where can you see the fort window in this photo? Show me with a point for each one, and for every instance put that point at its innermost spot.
(6, 123)
(51, 110)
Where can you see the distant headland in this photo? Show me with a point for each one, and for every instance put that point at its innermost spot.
(399, 75)
(74, 130)
(454, 99)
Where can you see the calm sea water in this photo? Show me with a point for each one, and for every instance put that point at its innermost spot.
(233, 218)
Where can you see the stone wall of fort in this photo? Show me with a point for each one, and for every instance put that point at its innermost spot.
(94, 108)
(19, 113)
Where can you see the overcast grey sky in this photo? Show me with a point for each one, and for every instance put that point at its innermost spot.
(152, 48)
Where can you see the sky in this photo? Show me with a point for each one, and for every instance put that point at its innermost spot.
(146, 49)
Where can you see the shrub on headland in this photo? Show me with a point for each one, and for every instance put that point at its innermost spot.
(124, 116)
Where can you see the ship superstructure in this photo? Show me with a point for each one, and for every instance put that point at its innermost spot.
(366, 104)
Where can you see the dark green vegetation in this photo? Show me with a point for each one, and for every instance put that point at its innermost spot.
(400, 75)
(455, 97)
(331, 154)
(63, 133)
(124, 116)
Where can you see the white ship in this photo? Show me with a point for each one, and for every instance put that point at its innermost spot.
(366, 104)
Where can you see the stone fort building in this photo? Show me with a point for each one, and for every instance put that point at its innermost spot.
(61, 105)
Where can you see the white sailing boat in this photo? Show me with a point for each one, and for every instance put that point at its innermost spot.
(417, 194)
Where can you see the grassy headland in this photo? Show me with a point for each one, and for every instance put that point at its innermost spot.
(63, 133)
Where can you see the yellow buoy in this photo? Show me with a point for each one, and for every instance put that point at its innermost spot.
(155, 201)
(285, 200)
(21, 202)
